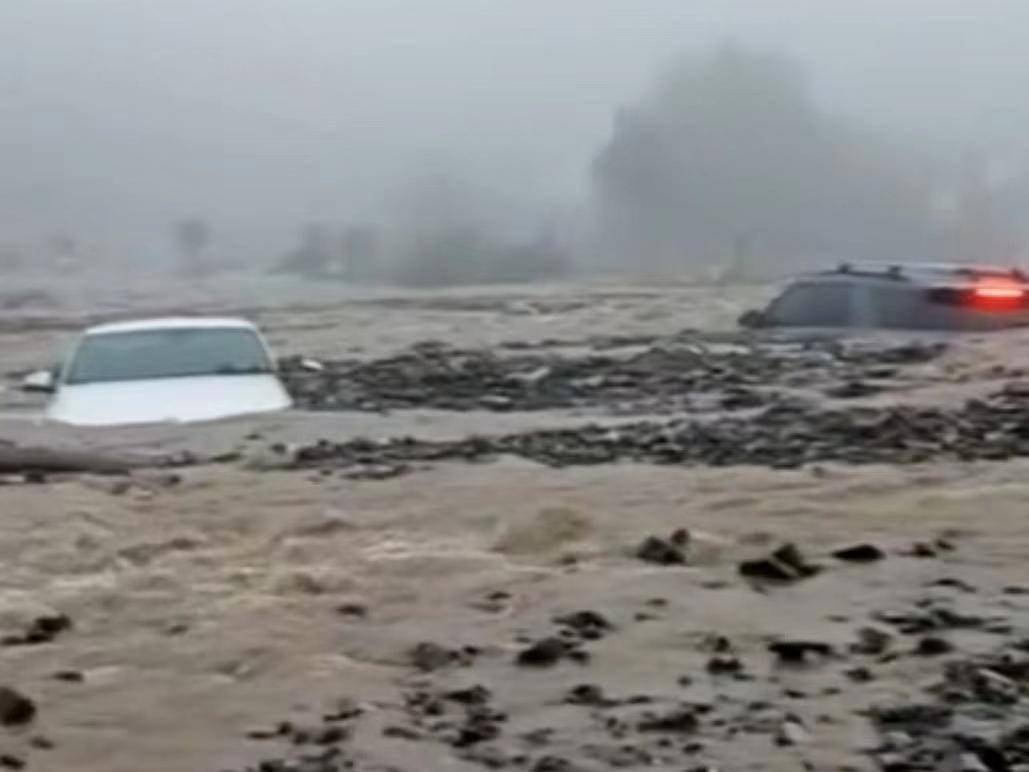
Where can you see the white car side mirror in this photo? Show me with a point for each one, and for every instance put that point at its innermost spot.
(41, 381)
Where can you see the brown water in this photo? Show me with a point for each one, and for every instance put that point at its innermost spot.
(208, 608)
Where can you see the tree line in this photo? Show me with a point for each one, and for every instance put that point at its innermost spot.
(728, 161)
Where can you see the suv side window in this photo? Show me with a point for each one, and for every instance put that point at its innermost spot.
(898, 307)
(813, 304)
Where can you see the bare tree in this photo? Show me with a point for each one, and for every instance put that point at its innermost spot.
(66, 252)
(313, 256)
(192, 238)
(360, 253)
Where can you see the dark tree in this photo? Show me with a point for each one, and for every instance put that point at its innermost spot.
(313, 256)
(66, 251)
(192, 238)
(730, 159)
(360, 253)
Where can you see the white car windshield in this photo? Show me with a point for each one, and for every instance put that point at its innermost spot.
(169, 353)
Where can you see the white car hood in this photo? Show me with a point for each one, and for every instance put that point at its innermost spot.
(201, 398)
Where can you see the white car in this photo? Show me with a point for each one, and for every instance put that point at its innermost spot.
(163, 370)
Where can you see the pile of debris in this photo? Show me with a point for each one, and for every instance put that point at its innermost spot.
(783, 436)
(675, 374)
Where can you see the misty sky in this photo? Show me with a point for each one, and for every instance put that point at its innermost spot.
(118, 116)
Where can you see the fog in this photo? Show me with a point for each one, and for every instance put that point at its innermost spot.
(119, 118)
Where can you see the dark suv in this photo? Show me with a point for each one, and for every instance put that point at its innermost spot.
(912, 297)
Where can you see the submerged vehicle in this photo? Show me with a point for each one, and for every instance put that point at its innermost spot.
(163, 370)
(919, 296)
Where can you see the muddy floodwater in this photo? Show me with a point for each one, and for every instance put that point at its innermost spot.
(265, 605)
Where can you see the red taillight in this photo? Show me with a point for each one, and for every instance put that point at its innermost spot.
(999, 293)
(998, 297)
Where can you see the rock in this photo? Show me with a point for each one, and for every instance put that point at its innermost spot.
(680, 720)
(931, 646)
(990, 685)
(894, 762)
(475, 695)
(922, 549)
(589, 695)
(681, 538)
(872, 642)
(543, 653)
(345, 709)
(860, 553)
(786, 564)
(481, 725)
(859, 675)
(588, 625)
(791, 733)
(43, 629)
(329, 735)
(798, 652)
(428, 656)
(934, 619)
(660, 552)
(354, 610)
(722, 665)
(538, 738)
(15, 708)
(952, 582)
(718, 644)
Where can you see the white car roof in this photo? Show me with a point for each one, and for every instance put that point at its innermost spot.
(172, 323)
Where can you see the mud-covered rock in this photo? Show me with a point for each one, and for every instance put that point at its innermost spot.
(933, 646)
(799, 651)
(786, 564)
(661, 552)
(859, 553)
(872, 642)
(587, 625)
(15, 708)
(428, 656)
(546, 652)
(681, 720)
(43, 629)
(588, 694)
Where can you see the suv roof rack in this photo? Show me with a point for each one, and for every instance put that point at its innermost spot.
(870, 269)
(907, 271)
